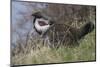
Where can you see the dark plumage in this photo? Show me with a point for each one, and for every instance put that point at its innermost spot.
(66, 35)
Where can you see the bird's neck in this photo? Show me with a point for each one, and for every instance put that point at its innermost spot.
(39, 32)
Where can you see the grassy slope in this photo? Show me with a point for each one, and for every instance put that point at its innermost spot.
(84, 52)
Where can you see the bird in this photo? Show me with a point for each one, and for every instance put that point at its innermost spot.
(57, 35)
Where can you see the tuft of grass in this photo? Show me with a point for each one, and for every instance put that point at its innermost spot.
(84, 52)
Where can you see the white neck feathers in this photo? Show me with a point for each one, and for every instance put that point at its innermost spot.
(41, 28)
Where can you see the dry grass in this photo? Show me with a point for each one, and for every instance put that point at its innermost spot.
(84, 52)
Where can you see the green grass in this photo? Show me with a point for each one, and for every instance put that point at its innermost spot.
(84, 52)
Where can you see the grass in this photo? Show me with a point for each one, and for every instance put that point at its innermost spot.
(84, 52)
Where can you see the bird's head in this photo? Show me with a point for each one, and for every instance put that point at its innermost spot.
(42, 22)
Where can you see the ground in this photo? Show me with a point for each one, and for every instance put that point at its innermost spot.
(86, 51)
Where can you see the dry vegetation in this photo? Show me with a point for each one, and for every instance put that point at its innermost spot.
(84, 52)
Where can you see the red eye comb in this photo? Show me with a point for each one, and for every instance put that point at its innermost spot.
(42, 23)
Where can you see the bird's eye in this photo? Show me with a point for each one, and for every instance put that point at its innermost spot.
(51, 22)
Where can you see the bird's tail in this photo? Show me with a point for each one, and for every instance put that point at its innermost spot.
(85, 29)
